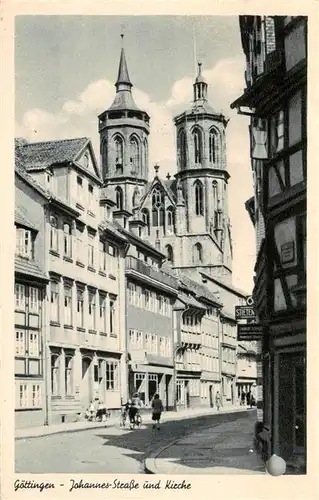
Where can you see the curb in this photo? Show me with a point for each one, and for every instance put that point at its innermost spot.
(112, 424)
(149, 463)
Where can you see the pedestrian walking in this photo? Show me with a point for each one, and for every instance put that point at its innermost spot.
(158, 407)
(218, 400)
(242, 398)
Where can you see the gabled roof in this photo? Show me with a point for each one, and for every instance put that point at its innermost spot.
(169, 187)
(41, 155)
(28, 179)
(21, 217)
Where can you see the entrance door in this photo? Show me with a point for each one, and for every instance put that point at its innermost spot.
(86, 390)
(211, 398)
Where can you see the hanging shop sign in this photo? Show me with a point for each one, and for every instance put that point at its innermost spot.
(244, 312)
(250, 331)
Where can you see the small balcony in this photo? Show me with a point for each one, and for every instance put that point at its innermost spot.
(134, 265)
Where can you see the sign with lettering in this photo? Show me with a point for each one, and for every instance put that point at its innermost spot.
(251, 331)
(244, 312)
(288, 252)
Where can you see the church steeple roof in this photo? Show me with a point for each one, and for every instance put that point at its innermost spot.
(123, 97)
(200, 86)
(123, 76)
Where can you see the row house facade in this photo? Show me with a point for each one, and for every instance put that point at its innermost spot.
(84, 260)
(275, 97)
(30, 294)
(246, 369)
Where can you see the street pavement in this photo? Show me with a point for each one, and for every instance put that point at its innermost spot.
(226, 448)
(114, 450)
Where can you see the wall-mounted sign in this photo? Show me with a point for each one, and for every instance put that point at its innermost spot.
(244, 312)
(288, 252)
(251, 331)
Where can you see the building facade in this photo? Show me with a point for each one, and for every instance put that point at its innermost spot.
(275, 97)
(30, 296)
(246, 370)
(84, 258)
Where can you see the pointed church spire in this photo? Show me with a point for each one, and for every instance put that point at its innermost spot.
(123, 76)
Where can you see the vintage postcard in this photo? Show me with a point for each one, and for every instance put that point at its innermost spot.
(154, 304)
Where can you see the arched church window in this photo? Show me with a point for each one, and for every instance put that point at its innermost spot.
(145, 151)
(170, 220)
(104, 156)
(146, 219)
(118, 146)
(134, 154)
(169, 254)
(197, 137)
(215, 194)
(199, 198)
(182, 148)
(158, 212)
(119, 198)
(213, 146)
(198, 253)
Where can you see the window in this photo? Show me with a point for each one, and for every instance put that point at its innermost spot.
(54, 234)
(118, 145)
(153, 344)
(20, 343)
(213, 146)
(54, 301)
(36, 395)
(170, 220)
(67, 240)
(92, 297)
(79, 245)
(19, 297)
(146, 299)
(199, 206)
(102, 251)
(132, 293)
(68, 305)
(102, 313)
(23, 395)
(55, 373)
(23, 243)
(134, 154)
(277, 132)
(169, 254)
(113, 253)
(139, 340)
(68, 376)
(79, 307)
(197, 138)
(91, 250)
(91, 197)
(168, 347)
(146, 219)
(162, 346)
(182, 149)
(33, 300)
(198, 253)
(119, 198)
(160, 304)
(33, 344)
(158, 213)
(112, 316)
(112, 369)
(131, 338)
(146, 342)
(80, 195)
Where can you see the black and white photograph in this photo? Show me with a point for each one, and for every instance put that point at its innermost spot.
(160, 204)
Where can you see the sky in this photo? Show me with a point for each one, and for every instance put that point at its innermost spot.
(66, 67)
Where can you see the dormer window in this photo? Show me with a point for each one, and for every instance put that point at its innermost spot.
(23, 243)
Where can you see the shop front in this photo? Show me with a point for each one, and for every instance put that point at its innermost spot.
(148, 380)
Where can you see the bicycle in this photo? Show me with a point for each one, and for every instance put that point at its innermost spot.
(137, 422)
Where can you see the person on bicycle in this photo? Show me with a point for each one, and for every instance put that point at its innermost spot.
(134, 408)
(125, 411)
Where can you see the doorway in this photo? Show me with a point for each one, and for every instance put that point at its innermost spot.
(211, 397)
(86, 389)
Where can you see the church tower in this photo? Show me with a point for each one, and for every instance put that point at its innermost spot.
(124, 131)
(203, 177)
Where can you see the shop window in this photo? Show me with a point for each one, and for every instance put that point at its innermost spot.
(112, 376)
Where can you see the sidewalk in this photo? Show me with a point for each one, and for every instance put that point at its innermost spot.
(223, 449)
(33, 432)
